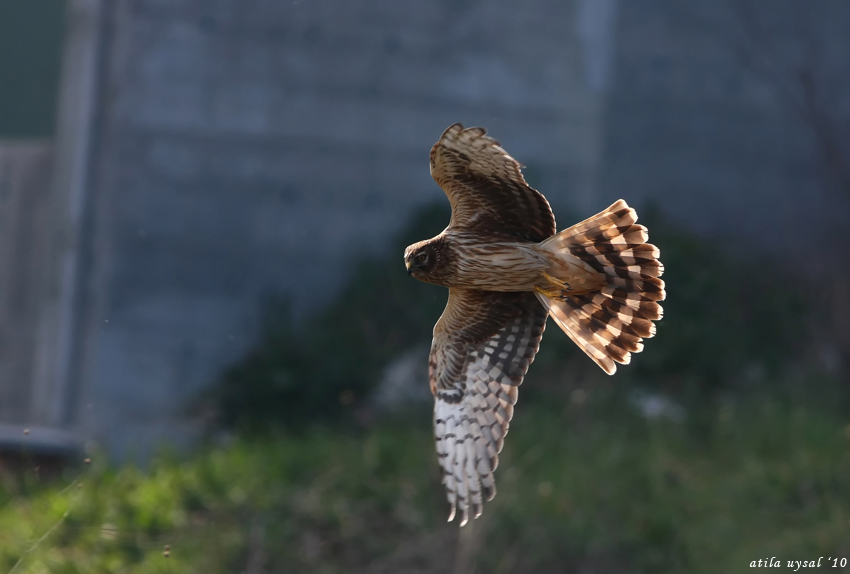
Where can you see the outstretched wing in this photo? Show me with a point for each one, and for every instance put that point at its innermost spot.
(486, 189)
(482, 347)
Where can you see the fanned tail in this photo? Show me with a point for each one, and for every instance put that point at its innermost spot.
(608, 322)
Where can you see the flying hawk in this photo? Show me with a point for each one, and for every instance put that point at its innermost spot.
(507, 270)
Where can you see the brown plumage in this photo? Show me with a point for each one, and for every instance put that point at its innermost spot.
(507, 270)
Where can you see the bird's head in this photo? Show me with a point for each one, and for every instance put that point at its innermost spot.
(424, 260)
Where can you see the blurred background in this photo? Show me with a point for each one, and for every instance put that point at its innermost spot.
(203, 209)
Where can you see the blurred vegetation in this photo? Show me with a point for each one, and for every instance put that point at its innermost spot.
(744, 455)
(322, 368)
(725, 320)
(586, 484)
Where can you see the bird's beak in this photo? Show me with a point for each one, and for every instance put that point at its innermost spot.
(409, 268)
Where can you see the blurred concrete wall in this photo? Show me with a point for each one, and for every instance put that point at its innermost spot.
(707, 116)
(44, 209)
(252, 148)
(25, 170)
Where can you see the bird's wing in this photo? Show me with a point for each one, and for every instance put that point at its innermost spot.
(482, 347)
(485, 187)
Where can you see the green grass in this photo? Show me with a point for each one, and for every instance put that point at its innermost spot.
(583, 486)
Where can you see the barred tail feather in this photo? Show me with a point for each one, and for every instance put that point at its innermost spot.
(610, 323)
(580, 334)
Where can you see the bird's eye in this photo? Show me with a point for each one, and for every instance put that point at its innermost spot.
(421, 258)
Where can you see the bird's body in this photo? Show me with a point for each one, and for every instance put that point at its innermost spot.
(497, 266)
(510, 265)
(507, 270)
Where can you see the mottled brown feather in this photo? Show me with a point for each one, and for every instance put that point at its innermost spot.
(486, 189)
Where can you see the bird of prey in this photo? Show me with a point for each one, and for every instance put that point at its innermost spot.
(508, 269)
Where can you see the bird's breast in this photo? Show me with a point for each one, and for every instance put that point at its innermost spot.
(497, 266)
